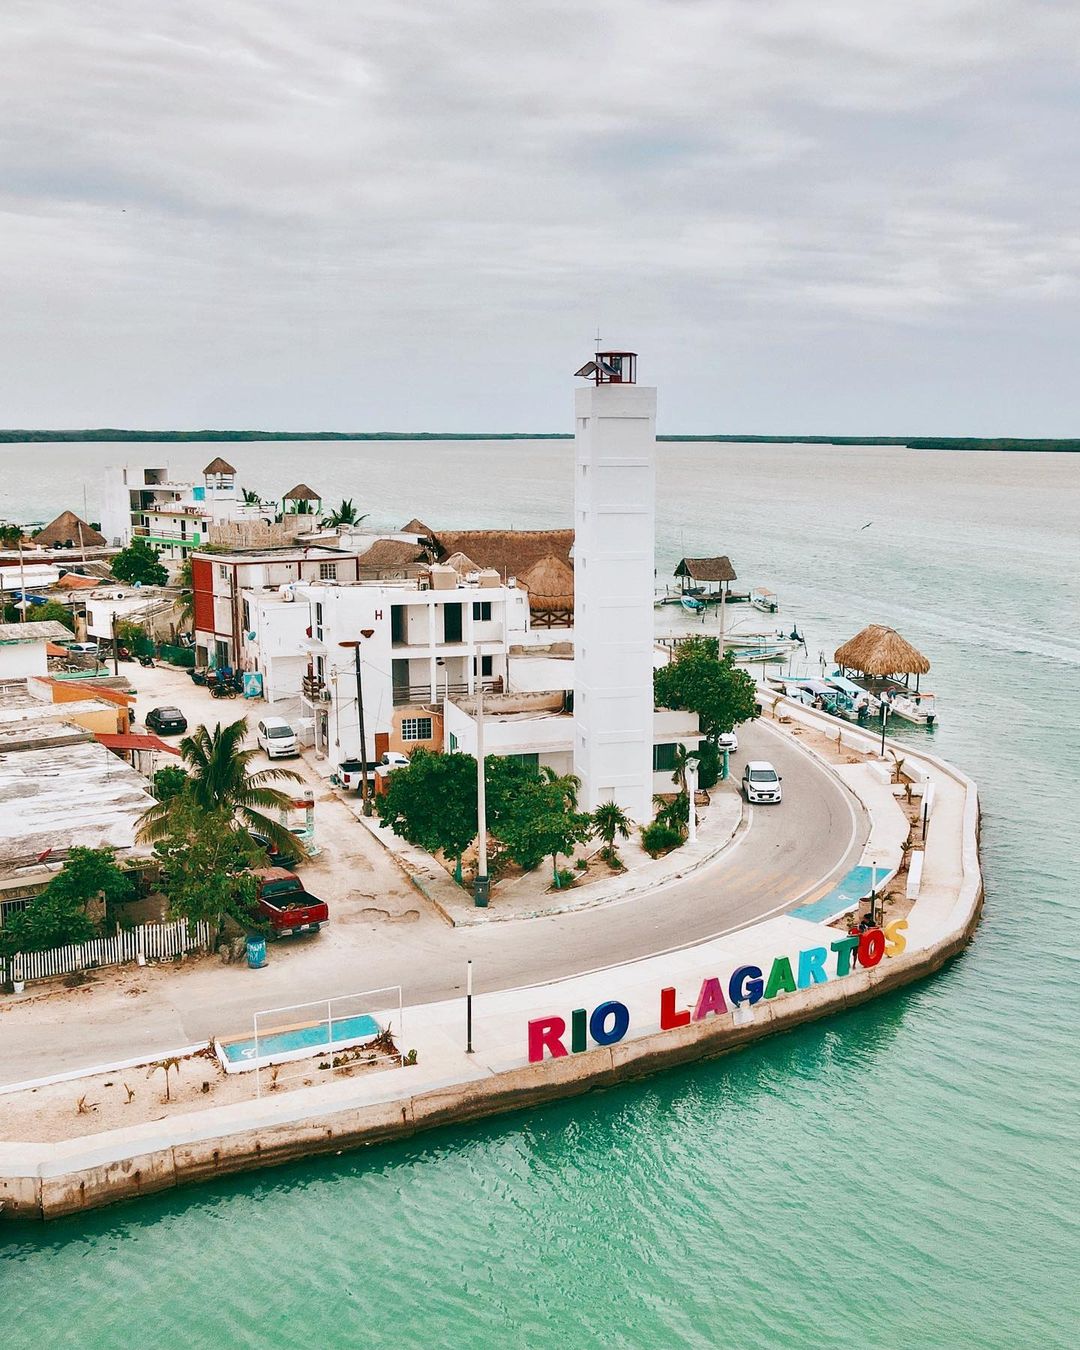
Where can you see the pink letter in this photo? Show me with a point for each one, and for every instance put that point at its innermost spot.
(668, 1016)
(710, 1000)
(544, 1034)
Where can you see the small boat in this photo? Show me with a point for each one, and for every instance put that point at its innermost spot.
(756, 656)
(764, 599)
(911, 705)
(692, 605)
(751, 638)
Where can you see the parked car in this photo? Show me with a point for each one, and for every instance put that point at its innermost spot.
(289, 908)
(277, 738)
(761, 782)
(82, 648)
(394, 759)
(727, 740)
(274, 855)
(166, 721)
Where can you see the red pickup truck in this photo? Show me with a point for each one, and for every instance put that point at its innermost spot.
(289, 908)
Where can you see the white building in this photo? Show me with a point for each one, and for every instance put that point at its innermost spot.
(24, 647)
(221, 580)
(422, 640)
(143, 502)
(614, 519)
(539, 729)
(273, 640)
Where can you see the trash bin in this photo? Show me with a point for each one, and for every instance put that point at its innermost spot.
(256, 951)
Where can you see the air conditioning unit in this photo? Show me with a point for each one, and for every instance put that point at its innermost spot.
(323, 696)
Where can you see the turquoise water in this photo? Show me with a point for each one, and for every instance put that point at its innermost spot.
(905, 1175)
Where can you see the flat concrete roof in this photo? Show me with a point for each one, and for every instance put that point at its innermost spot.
(65, 796)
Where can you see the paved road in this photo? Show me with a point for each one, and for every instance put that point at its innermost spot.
(788, 853)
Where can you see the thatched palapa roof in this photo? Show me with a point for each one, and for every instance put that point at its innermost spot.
(415, 526)
(878, 650)
(64, 531)
(218, 465)
(301, 493)
(392, 553)
(550, 583)
(707, 569)
(510, 552)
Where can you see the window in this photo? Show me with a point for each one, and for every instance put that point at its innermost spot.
(318, 621)
(485, 666)
(328, 571)
(223, 571)
(528, 759)
(663, 758)
(416, 729)
(453, 741)
(320, 669)
(481, 610)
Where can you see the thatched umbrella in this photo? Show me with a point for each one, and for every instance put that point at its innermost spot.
(881, 651)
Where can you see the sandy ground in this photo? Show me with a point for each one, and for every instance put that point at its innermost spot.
(135, 1096)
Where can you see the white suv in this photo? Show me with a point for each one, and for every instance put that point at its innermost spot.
(277, 738)
(761, 782)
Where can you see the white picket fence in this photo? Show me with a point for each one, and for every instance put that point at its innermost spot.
(154, 941)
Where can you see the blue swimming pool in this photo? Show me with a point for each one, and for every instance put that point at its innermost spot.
(313, 1036)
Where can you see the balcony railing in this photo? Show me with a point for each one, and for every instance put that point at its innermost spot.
(421, 693)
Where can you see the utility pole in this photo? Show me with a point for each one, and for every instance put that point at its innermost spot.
(22, 584)
(115, 647)
(365, 793)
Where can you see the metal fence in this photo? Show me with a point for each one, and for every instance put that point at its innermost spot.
(152, 941)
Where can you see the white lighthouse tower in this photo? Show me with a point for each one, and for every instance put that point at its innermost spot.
(614, 521)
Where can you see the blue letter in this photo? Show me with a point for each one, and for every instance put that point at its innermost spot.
(621, 1014)
(747, 984)
(812, 967)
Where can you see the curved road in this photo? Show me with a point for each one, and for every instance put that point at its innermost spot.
(788, 853)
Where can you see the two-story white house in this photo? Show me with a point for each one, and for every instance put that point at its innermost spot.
(422, 640)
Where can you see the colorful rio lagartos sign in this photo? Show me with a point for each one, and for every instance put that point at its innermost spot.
(610, 1021)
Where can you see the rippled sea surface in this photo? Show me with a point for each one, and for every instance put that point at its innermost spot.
(904, 1175)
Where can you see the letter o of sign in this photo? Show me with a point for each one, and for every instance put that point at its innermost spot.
(871, 947)
(619, 1015)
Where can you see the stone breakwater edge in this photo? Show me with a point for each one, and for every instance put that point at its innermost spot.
(451, 1087)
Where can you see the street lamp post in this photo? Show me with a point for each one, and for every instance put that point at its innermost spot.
(884, 719)
(482, 885)
(365, 795)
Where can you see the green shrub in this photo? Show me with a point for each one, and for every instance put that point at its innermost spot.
(660, 837)
(708, 760)
(564, 877)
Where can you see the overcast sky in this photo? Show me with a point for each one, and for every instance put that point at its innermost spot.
(849, 216)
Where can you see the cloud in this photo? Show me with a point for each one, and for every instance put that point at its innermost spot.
(278, 213)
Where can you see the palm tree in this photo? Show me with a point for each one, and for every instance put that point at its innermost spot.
(250, 498)
(673, 813)
(221, 784)
(682, 759)
(345, 514)
(610, 821)
(186, 603)
(567, 785)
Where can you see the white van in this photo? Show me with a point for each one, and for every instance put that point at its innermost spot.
(277, 738)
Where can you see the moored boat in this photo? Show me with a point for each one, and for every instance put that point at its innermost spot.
(692, 604)
(764, 599)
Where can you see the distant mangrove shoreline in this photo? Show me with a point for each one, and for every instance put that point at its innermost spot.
(116, 434)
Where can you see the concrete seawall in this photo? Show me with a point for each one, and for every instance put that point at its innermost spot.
(38, 1180)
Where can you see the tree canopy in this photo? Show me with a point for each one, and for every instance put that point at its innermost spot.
(719, 692)
(206, 862)
(432, 802)
(139, 563)
(60, 914)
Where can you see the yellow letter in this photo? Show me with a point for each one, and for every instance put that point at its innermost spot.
(895, 942)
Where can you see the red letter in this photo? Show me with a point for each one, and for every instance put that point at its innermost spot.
(669, 1018)
(710, 1000)
(871, 947)
(544, 1034)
